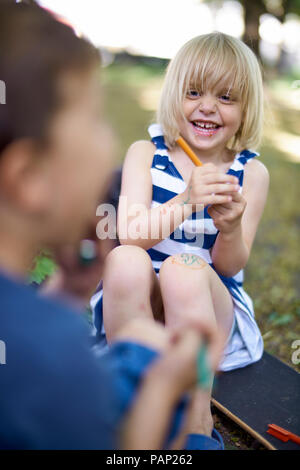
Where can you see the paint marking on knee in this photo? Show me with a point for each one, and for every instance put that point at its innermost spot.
(189, 260)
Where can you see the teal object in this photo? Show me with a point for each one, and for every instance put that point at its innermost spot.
(87, 252)
(204, 373)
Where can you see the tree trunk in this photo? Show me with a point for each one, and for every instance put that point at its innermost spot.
(253, 9)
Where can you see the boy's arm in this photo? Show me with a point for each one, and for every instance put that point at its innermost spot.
(149, 419)
(238, 221)
(170, 376)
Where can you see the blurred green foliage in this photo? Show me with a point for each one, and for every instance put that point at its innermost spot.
(44, 266)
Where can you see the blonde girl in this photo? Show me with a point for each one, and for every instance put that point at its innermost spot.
(200, 222)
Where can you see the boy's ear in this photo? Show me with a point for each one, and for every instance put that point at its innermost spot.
(21, 177)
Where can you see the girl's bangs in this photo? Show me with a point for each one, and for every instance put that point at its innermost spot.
(216, 70)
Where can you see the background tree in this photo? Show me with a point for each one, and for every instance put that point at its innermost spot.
(253, 9)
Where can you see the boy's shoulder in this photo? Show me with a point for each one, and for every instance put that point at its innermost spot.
(50, 376)
(26, 317)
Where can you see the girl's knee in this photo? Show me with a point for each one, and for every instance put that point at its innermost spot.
(127, 267)
(184, 265)
(183, 277)
(124, 256)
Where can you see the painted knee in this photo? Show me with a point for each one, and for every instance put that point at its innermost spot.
(183, 274)
(184, 264)
(127, 268)
(185, 288)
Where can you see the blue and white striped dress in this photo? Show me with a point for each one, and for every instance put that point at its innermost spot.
(197, 235)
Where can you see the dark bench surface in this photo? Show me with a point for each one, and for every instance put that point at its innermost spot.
(267, 392)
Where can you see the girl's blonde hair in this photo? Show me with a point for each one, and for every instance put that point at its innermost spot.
(208, 62)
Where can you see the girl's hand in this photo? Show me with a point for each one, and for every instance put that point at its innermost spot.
(208, 185)
(227, 217)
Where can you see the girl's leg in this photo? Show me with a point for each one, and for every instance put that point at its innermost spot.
(146, 332)
(191, 289)
(128, 282)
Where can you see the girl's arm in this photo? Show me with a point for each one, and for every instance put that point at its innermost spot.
(140, 225)
(238, 221)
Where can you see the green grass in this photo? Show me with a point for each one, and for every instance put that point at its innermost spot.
(123, 86)
(272, 274)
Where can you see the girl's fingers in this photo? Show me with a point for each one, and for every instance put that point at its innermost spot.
(236, 196)
(216, 199)
(217, 210)
(221, 188)
(212, 178)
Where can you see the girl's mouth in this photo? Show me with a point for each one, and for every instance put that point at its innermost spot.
(205, 128)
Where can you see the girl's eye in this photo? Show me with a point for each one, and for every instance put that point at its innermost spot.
(226, 98)
(193, 94)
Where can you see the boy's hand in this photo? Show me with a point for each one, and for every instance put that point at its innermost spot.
(75, 279)
(208, 185)
(165, 381)
(227, 217)
(177, 366)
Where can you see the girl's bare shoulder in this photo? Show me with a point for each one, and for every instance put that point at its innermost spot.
(141, 153)
(256, 168)
(256, 174)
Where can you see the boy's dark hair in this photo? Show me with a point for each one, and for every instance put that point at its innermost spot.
(35, 50)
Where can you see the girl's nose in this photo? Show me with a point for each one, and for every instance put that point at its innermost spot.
(207, 104)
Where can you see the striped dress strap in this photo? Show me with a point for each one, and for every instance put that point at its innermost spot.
(237, 168)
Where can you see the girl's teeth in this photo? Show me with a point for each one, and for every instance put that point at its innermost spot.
(205, 125)
(205, 128)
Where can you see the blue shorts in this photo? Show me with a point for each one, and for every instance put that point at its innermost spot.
(128, 362)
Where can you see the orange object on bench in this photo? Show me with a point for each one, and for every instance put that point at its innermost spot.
(282, 434)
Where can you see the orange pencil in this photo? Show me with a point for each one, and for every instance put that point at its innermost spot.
(187, 149)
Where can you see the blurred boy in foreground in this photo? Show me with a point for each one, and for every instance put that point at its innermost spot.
(54, 156)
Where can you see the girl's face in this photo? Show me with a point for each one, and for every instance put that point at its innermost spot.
(213, 117)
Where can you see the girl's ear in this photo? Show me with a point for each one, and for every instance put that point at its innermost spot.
(21, 177)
